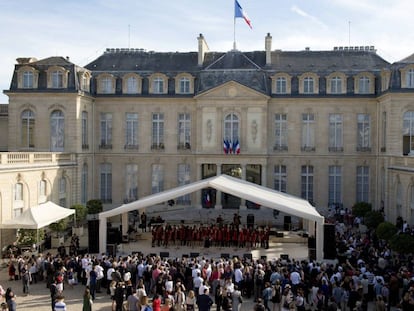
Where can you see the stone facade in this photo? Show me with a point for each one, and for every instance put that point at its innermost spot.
(333, 127)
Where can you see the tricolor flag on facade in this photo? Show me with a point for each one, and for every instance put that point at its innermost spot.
(236, 147)
(239, 12)
(226, 146)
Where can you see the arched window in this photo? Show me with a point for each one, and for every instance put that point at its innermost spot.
(364, 85)
(232, 133)
(184, 85)
(336, 85)
(28, 126)
(57, 131)
(84, 184)
(308, 85)
(158, 85)
(281, 85)
(132, 85)
(28, 80)
(57, 79)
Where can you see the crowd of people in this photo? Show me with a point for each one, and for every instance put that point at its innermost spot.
(367, 272)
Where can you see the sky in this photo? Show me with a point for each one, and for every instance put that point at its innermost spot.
(82, 30)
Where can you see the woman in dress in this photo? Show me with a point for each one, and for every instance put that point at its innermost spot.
(87, 300)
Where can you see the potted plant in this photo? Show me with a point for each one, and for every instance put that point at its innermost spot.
(79, 218)
(94, 207)
(58, 227)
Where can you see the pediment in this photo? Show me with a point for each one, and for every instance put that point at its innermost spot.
(232, 90)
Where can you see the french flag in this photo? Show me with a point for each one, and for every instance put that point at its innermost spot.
(239, 12)
(226, 146)
(236, 147)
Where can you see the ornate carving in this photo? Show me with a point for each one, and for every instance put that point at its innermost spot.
(254, 130)
(209, 129)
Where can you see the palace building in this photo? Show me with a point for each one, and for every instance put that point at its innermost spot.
(334, 127)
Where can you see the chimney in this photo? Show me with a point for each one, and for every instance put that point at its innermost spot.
(202, 49)
(25, 60)
(268, 48)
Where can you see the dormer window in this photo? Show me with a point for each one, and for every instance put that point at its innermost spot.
(131, 84)
(308, 83)
(27, 78)
(158, 84)
(106, 84)
(364, 83)
(184, 84)
(336, 83)
(57, 78)
(407, 76)
(281, 84)
(85, 79)
(410, 78)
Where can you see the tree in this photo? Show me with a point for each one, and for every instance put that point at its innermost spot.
(80, 213)
(94, 206)
(360, 209)
(402, 243)
(373, 219)
(59, 226)
(31, 236)
(386, 230)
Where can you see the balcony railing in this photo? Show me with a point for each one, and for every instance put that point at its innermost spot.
(18, 158)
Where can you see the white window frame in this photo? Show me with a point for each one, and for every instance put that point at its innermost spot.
(231, 130)
(85, 140)
(335, 184)
(105, 182)
(308, 85)
(131, 85)
(28, 79)
(184, 131)
(57, 131)
(307, 182)
(308, 132)
(84, 184)
(363, 132)
(362, 183)
(157, 178)
(184, 178)
(410, 78)
(56, 79)
(281, 132)
(106, 84)
(280, 178)
(131, 130)
(281, 85)
(131, 182)
(158, 85)
(185, 85)
(106, 130)
(364, 85)
(158, 131)
(336, 85)
(28, 128)
(335, 132)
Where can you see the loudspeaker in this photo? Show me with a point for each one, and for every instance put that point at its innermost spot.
(194, 255)
(225, 255)
(329, 241)
(248, 256)
(164, 255)
(93, 236)
(287, 223)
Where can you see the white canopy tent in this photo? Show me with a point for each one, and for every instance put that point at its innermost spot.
(38, 216)
(261, 195)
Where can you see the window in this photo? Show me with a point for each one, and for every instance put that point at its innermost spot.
(308, 132)
(184, 131)
(84, 184)
(364, 132)
(336, 85)
(410, 78)
(307, 182)
(158, 85)
(231, 133)
(157, 131)
(280, 178)
(335, 133)
(106, 84)
(335, 184)
(106, 131)
(85, 82)
(408, 133)
(85, 144)
(106, 182)
(281, 133)
(42, 191)
(131, 131)
(281, 85)
(131, 183)
(28, 80)
(18, 200)
(28, 128)
(57, 79)
(62, 191)
(131, 85)
(184, 85)
(362, 184)
(184, 178)
(384, 132)
(308, 85)
(364, 85)
(57, 131)
(157, 178)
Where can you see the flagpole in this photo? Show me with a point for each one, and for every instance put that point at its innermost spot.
(234, 34)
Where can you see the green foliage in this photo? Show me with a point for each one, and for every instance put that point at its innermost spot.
(402, 243)
(360, 209)
(80, 213)
(29, 236)
(373, 219)
(59, 226)
(94, 206)
(386, 230)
